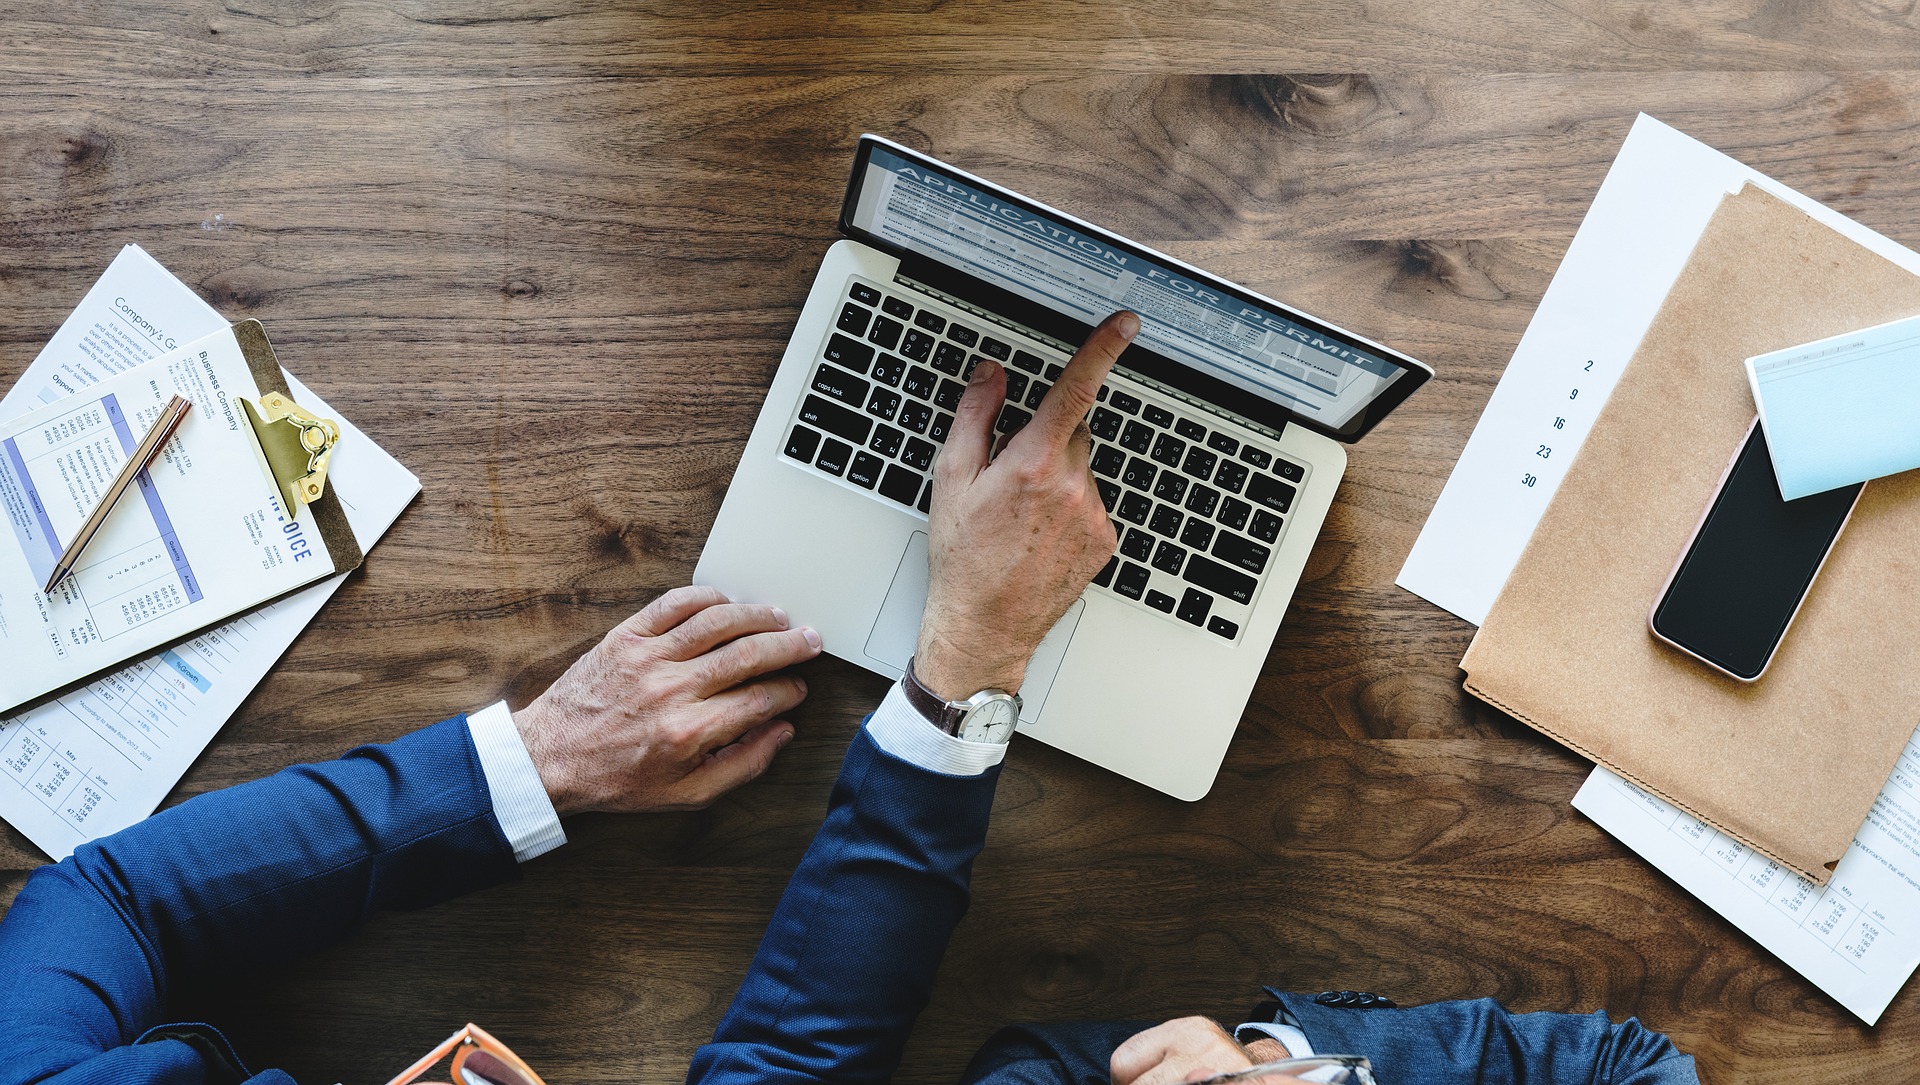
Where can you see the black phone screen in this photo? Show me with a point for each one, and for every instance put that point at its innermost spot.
(1749, 566)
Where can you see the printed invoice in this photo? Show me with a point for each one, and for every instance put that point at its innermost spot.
(206, 535)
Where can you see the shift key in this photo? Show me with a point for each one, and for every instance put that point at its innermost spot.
(1220, 580)
(835, 419)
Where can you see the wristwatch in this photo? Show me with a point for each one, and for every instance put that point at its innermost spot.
(988, 716)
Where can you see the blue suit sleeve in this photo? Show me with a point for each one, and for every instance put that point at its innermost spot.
(227, 883)
(849, 958)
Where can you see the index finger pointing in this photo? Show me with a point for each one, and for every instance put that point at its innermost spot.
(1072, 396)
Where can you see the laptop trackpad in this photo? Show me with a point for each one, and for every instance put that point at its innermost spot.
(897, 630)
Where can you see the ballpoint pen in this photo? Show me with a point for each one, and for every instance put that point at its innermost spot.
(143, 456)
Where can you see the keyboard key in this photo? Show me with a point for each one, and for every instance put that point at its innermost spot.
(1289, 470)
(840, 385)
(801, 443)
(1168, 449)
(1223, 627)
(1016, 386)
(1054, 372)
(920, 383)
(933, 322)
(1266, 526)
(949, 358)
(1101, 395)
(1160, 601)
(1168, 558)
(886, 441)
(948, 397)
(864, 294)
(1202, 499)
(1109, 493)
(1131, 580)
(1012, 419)
(899, 307)
(1233, 513)
(854, 319)
(1023, 360)
(1138, 545)
(1104, 424)
(1231, 476)
(1220, 580)
(926, 497)
(918, 454)
(942, 425)
(1139, 473)
(1159, 416)
(1124, 403)
(1194, 605)
(1135, 507)
(1166, 521)
(915, 416)
(1255, 456)
(1222, 443)
(882, 403)
(973, 363)
(900, 484)
(1199, 464)
(836, 420)
(1191, 430)
(1198, 534)
(917, 345)
(1136, 437)
(885, 332)
(994, 348)
(962, 334)
(1108, 460)
(1237, 550)
(889, 369)
(1105, 576)
(1035, 394)
(847, 353)
(865, 470)
(1171, 487)
(833, 458)
(1270, 492)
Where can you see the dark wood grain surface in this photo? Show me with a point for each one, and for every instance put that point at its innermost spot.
(547, 254)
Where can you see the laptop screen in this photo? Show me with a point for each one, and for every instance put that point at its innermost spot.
(1324, 377)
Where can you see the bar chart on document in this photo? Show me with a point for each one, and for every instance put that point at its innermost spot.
(80, 756)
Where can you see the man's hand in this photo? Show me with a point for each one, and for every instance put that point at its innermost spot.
(1016, 538)
(1188, 1049)
(674, 708)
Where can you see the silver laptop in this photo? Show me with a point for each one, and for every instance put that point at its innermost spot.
(1217, 449)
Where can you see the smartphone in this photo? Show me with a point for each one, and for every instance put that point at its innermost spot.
(1749, 565)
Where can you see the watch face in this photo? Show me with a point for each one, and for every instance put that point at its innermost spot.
(991, 722)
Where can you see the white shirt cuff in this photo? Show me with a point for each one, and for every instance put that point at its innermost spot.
(520, 800)
(902, 731)
(1290, 1037)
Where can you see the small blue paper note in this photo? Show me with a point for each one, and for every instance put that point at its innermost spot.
(1841, 410)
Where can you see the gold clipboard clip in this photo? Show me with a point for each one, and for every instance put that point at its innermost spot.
(297, 446)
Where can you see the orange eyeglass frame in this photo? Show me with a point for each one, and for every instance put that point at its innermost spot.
(463, 1045)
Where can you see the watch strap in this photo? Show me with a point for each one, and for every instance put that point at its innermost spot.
(938, 710)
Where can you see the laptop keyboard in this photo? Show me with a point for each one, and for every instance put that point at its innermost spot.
(1198, 509)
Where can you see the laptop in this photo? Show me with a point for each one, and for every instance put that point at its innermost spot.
(1218, 442)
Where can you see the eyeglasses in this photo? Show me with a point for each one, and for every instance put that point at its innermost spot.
(478, 1059)
(1322, 1069)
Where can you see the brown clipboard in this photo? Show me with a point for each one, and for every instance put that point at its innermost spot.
(329, 518)
(1789, 765)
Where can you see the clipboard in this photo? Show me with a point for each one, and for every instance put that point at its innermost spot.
(296, 460)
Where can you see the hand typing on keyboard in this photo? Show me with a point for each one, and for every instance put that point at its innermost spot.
(1015, 538)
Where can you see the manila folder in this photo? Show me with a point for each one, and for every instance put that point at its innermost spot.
(1788, 765)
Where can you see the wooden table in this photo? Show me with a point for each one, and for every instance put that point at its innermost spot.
(547, 253)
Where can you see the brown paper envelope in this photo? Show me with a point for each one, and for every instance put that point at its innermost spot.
(1788, 765)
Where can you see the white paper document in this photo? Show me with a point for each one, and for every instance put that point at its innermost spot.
(1650, 210)
(102, 757)
(1857, 939)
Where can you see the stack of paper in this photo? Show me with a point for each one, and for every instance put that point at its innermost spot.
(101, 758)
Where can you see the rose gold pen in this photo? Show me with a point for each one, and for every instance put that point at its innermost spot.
(143, 456)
